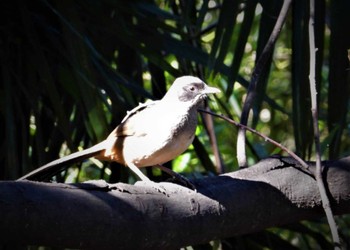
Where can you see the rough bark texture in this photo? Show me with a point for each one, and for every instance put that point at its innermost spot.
(98, 215)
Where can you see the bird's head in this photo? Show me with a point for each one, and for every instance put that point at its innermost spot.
(189, 89)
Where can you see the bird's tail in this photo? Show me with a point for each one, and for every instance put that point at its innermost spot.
(52, 168)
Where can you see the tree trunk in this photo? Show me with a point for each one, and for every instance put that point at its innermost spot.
(274, 192)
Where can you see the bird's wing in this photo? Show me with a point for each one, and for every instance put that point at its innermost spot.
(138, 108)
(126, 128)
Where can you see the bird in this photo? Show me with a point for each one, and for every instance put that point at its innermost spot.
(151, 134)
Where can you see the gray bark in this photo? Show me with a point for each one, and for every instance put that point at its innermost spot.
(274, 192)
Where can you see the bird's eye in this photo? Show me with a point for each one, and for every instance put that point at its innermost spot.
(192, 88)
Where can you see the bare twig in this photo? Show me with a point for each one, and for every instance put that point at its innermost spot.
(209, 126)
(260, 65)
(313, 93)
(277, 144)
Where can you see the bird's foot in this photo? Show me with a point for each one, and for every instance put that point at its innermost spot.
(183, 181)
(179, 179)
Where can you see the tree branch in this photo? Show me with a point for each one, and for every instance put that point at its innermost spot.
(274, 192)
(251, 94)
(314, 111)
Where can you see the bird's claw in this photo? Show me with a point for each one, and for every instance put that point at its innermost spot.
(183, 181)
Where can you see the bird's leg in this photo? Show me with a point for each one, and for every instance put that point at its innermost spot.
(138, 172)
(183, 180)
(144, 179)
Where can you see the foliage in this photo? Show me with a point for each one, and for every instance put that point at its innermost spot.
(71, 69)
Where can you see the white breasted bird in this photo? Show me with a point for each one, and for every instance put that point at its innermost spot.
(153, 133)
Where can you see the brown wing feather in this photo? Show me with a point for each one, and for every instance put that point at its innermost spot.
(116, 138)
(124, 128)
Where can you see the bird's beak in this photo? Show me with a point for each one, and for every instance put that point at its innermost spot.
(211, 90)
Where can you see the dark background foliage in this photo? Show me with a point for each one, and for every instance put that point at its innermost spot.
(71, 69)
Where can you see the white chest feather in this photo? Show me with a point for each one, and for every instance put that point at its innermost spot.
(162, 135)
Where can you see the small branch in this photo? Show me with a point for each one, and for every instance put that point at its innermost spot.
(313, 93)
(244, 127)
(260, 65)
(209, 126)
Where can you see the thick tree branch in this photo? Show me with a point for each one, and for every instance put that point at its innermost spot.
(274, 192)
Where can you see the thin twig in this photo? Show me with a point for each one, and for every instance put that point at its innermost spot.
(209, 126)
(260, 65)
(313, 93)
(277, 144)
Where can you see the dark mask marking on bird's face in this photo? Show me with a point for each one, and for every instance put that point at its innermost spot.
(192, 92)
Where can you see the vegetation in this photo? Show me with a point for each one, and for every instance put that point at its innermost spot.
(71, 69)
